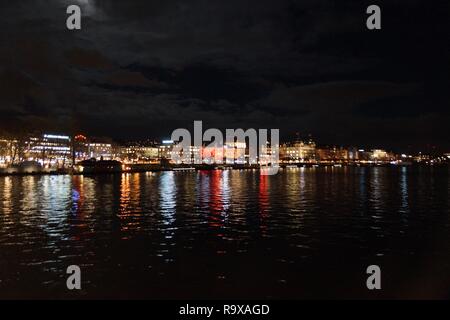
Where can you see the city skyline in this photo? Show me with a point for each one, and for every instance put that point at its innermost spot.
(286, 138)
(58, 151)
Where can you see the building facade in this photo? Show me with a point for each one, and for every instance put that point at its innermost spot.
(49, 150)
(298, 151)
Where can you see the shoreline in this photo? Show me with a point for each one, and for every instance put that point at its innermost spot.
(211, 168)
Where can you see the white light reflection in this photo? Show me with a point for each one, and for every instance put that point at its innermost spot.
(167, 190)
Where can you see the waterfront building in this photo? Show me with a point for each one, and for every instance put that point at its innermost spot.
(268, 155)
(139, 154)
(213, 155)
(183, 157)
(422, 158)
(298, 151)
(81, 148)
(49, 150)
(100, 150)
(364, 156)
(87, 148)
(382, 156)
(165, 150)
(8, 152)
(235, 153)
(353, 154)
(379, 155)
(325, 154)
(333, 154)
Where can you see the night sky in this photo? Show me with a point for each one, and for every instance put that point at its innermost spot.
(139, 69)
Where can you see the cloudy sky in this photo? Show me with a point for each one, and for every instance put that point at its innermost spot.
(142, 68)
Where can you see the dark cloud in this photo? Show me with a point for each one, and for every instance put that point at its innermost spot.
(87, 59)
(142, 68)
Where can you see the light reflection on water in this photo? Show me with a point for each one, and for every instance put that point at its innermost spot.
(197, 228)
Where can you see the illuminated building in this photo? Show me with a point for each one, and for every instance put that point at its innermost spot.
(53, 151)
(165, 149)
(193, 152)
(100, 151)
(49, 150)
(81, 149)
(149, 153)
(85, 149)
(353, 154)
(379, 155)
(333, 154)
(211, 155)
(268, 155)
(139, 154)
(298, 151)
(422, 157)
(230, 153)
(342, 154)
(235, 152)
(8, 152)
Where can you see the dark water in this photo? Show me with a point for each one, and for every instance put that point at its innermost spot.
(304, 233)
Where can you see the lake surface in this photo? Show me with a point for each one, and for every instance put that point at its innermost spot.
(303, 233)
